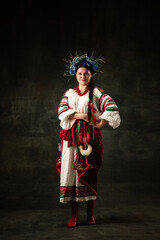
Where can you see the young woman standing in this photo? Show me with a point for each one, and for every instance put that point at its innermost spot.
(82, 112)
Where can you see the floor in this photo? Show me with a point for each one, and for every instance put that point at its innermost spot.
(115, 220)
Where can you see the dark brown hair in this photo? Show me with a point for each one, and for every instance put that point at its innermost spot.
(91, 88)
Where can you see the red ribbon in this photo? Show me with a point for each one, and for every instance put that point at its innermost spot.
(93, 111)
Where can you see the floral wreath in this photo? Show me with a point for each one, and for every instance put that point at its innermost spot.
(74, 62)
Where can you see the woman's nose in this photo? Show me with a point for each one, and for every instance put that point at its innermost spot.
(83, 75)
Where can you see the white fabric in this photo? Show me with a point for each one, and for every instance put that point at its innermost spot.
(69, 176)
(67, 123)
(78, 103)
(112, 118)
(72, 102)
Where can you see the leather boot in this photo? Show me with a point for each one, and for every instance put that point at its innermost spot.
(90, 212)
(74, 214)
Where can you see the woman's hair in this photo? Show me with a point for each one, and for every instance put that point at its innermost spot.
(91, 88)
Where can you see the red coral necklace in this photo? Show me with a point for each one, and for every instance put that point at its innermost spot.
(79, 93)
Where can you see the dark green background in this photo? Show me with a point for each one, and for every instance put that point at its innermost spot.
(36, 37)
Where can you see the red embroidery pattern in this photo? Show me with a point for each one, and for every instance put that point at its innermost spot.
(108, 103)
(101, 100)
(63, 110)
(73, 191)
(63, 106)
(100, 89)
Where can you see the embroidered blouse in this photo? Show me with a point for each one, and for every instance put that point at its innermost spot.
(104, 105)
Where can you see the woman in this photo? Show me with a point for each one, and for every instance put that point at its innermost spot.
(81, 141)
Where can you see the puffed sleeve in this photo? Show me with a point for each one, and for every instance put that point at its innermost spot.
(108, 109)
(64, 111)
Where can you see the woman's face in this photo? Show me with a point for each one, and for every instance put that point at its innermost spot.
(83, 76)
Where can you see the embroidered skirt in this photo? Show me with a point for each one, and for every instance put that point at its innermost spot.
(71, 189)
(76, 182)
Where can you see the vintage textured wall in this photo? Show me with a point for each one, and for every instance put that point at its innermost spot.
(35, 40)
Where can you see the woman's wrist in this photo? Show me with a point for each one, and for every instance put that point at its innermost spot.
(101, 123)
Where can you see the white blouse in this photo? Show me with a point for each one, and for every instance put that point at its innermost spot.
(72, 102)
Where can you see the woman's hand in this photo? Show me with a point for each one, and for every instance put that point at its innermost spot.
(99, 124)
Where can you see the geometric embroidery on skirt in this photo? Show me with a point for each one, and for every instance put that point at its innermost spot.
(73, 191)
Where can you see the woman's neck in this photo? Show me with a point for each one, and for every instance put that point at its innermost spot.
(82, 88)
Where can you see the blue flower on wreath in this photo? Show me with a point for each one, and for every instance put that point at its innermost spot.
(83, 61)
(95, 67)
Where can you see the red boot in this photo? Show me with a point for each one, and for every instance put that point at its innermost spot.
(74, 215)
(90, 212)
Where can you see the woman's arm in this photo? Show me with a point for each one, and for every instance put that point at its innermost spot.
(101, 123)
(82, 116)
(108, 108)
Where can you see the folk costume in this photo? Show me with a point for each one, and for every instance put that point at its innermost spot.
(81, 145)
